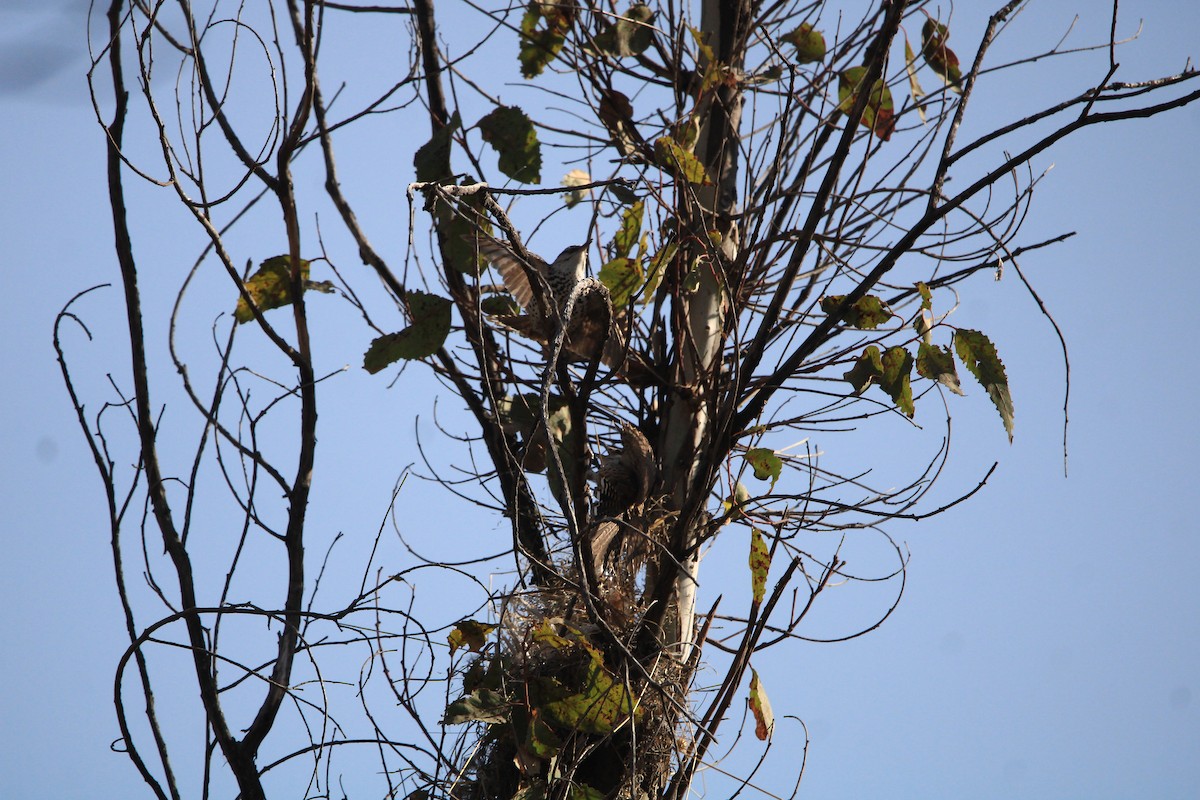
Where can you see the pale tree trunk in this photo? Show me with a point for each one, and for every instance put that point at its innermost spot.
(700, 315)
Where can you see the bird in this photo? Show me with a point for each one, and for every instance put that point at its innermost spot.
(624, 481)
(590, 332)
(561, 275)
(594, 330)
(624, 478)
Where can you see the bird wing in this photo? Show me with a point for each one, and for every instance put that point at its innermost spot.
(512, 272)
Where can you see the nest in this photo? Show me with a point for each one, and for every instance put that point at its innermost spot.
(578, 714)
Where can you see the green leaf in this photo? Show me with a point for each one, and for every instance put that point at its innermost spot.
(459, 227)
(867, 369)
(432, 159)
(760, 707)
(631, 228)
(867, 312)
(809, 44)
(481, 705)
(521, 415)
(734, 505)
(534, 790)
(630, 35)
(926, 296)
(623, 277)
(569, 444)
(760, 564)
(540, 45)
(940, 58)
(270, 287)
(704, 48)
(424, 337)
(765, 464)
(486, 673)
(678, 161)
(541, 740)
(656, 270)
(470, 634)
(979, 355)
(897, 366)
(914, 86)
(581, 791)
(623, 194)
(937, 364)
(500, 305)
(601, 705)
(510, 132)
(879, 113)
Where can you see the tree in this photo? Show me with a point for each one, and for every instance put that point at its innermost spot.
(774, 200)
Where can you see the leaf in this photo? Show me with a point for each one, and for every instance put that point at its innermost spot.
(979, 355)
(481, 705)
(271, 287)
(541, 740)
(765, 464)
(510, 132)
(631, 228)
(914, 86)
(460, 225)
(623, 277)
(679, 162)
(500, 305)
(937, 364)
(569, 444)
(630, 35)
(541, 45)
(897, 366)
(926, 296)
(470, 634)
(704, 48)
(432, 159)
(734, 505)
(576, 177)
(424, 337)
(616, 113)
(601, 705)
(656, 269)
(867, 312)
(867, 369)
(809, 44)
(923, 325)
(534, 790)
(923, 321)
(581, 791)
(879, 113)
(760, 564)
(623, 194)
(940, 58)
(486, 673)
(760, 707)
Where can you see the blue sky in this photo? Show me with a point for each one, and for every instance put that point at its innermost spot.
(1048, 642)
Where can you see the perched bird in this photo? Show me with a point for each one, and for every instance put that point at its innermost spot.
(590, 331)
(624, 481)
(561, 276)
(625, 478)
(593, 330)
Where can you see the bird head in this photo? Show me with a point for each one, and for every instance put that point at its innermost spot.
(572, 262)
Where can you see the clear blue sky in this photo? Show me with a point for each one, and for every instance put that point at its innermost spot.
(1048, 644)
